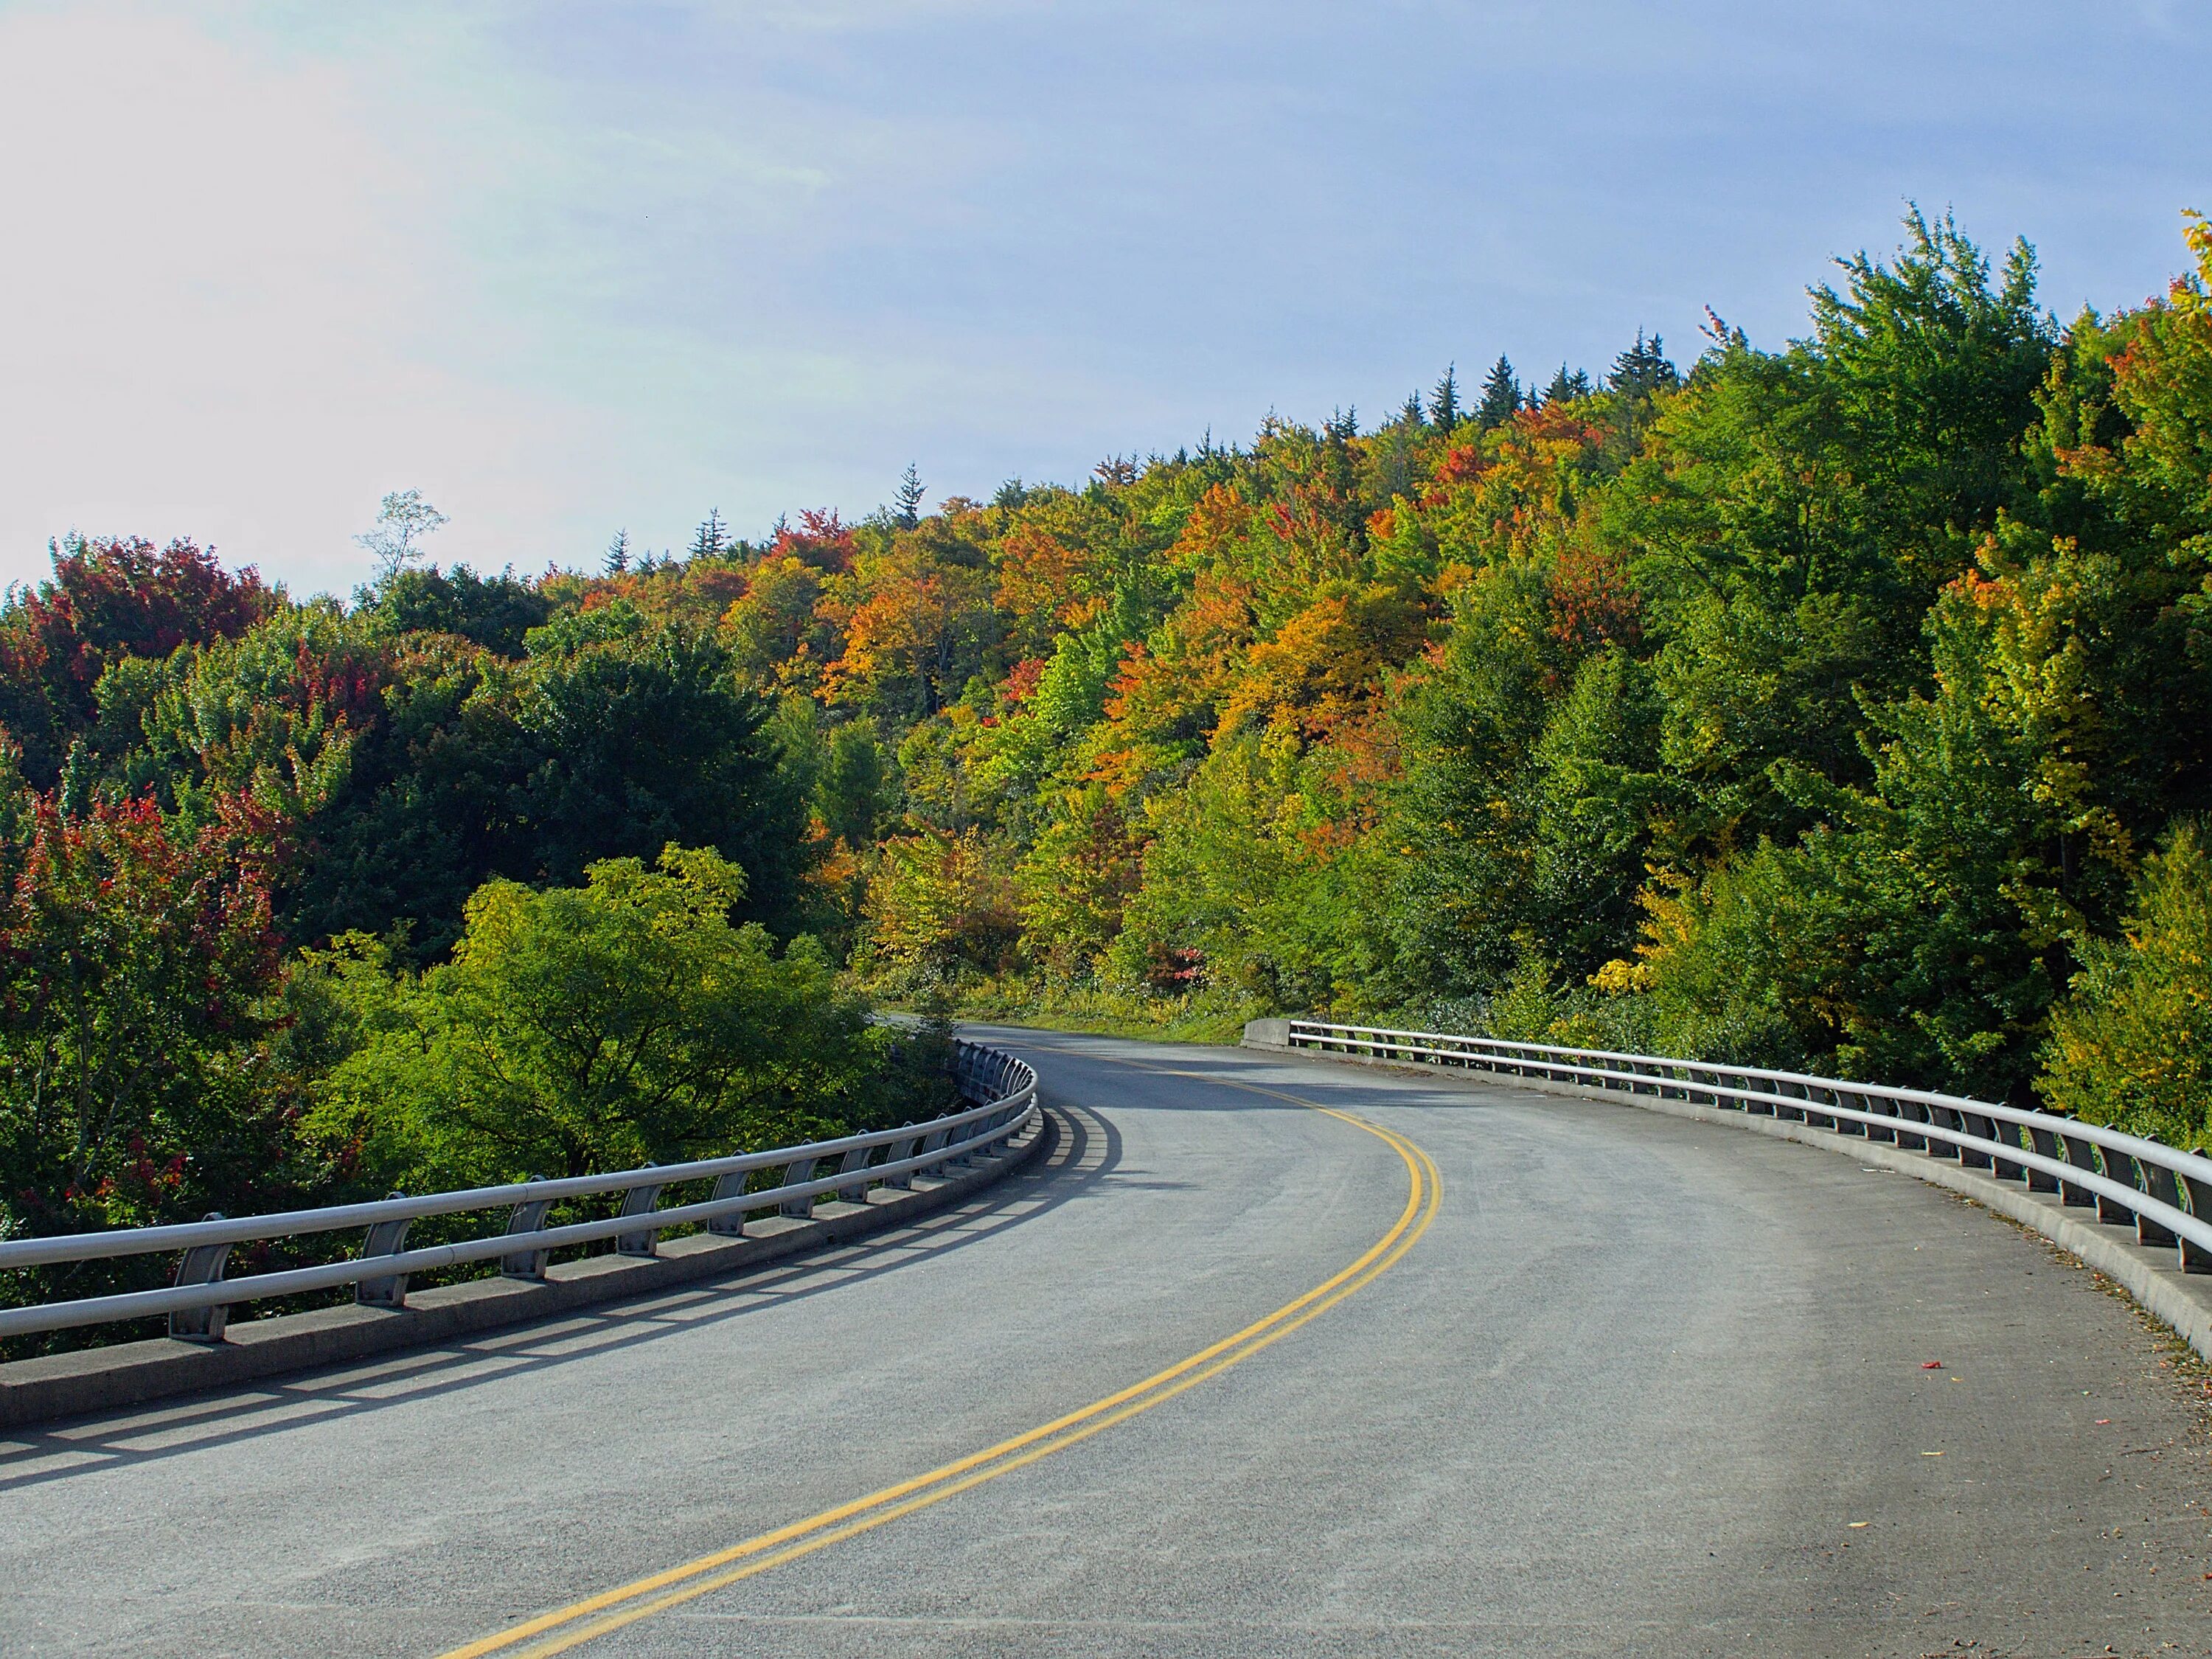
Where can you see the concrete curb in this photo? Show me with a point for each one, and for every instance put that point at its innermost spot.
(2150, 1275)
(133, 1373)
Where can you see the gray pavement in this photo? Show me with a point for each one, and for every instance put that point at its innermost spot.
(1627, 1395)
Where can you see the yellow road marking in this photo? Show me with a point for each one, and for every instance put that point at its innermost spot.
(641, 1599)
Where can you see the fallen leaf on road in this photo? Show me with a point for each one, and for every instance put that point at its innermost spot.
(1931, 1365)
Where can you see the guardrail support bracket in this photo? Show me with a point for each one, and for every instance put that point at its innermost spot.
(2194, 1258)
(732, 1225)
(526, 1217)
(800, 1209)
(203, 1265)
(854, 1160)
(640, 1200)
(384, 1238)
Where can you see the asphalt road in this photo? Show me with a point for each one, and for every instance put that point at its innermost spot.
(1614, 1384)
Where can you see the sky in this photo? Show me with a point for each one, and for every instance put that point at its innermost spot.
(574, 268)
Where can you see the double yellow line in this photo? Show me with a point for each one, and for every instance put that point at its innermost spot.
(566, 1628)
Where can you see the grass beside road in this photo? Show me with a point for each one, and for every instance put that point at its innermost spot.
(1201, 1018)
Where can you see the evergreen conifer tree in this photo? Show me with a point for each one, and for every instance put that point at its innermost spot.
(1643, 370)
(617, 559)
(1444, 402)
(1410, 417)
(712, 539)
(907, 509)
(1501, 396)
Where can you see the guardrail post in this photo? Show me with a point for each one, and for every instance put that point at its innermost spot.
(800, 1209)
(2194, 1258)
(1815, 1096)
(2007, 1135)
(730, 1225)
(2045, 1145)
(933, 1141)
(640, 1200)
(899, 1151)
(1942, 1117)
(1974, 1157)
(527, 1217)
(1844, 1126)
(2081, 1155)
(2159, 1182)
(856, 1159)
(959, 1158)
(203, 1265)
(384, 1238)
(1912, 1111)
(1879, 1107)
(2120, 1167)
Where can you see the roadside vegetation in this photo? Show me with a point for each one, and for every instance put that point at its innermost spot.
(1844, 702)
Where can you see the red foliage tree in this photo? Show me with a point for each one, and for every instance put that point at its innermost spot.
(107, 599)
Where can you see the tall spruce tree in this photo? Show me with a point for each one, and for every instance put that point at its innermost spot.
(907, 499)
(1643, 370)
(712, 538)
(1567, 386)
(1445, 411)
(1501, 396)
(618, 558)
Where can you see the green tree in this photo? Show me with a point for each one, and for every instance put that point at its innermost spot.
(1794, 515)
(495, 612)
(1643, 371)
(712, 538)
(583, 1028)
(1465, 814)
(906, 500)
(644, 737)
(852, 790)
(1566, 387)
(2132, 1045)
(1444, 411)
(1501, 396)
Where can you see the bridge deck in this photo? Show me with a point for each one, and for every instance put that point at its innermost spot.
(1629, 1392)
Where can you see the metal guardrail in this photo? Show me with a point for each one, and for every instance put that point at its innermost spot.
(2167, 1194)
(198, 1301)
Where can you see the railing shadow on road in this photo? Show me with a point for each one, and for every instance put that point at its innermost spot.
(1087, 1151)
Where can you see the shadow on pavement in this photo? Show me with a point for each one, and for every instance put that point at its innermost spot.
(1086, 1150)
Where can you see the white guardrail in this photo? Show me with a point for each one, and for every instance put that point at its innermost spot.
(199, 1301)
(2164, 1193)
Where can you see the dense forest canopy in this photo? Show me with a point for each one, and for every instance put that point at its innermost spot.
(1845, 703)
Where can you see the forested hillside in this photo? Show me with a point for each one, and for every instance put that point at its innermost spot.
(1844, 702)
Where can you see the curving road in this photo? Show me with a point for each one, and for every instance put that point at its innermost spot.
(1578, 1379)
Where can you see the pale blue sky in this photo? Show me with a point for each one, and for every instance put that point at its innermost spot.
(568, 268)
